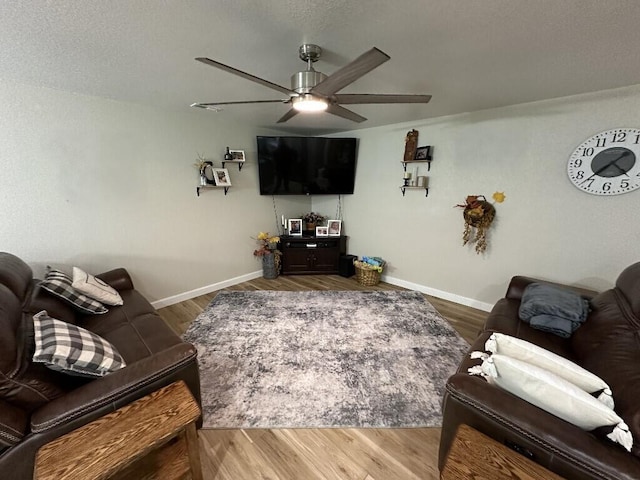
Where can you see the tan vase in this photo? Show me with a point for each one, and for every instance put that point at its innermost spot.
(311, 227)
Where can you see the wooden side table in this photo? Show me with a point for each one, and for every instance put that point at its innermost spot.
(153, 437)
(474, 455)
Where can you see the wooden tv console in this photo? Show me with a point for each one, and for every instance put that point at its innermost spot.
(311, 254)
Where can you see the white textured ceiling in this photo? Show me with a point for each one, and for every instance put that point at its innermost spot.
(468, 54)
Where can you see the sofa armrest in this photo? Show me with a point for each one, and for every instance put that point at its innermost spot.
(13, 424)
(112, 391)
(118, 278)
(550, 441)
(519, 283)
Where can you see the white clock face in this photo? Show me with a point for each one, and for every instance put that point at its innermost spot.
(607, 163)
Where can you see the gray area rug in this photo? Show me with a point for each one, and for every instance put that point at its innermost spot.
(323, 359)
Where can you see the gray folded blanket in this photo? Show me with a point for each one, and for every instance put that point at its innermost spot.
(553, 309)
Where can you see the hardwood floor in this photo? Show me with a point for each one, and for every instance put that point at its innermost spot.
(320, 454)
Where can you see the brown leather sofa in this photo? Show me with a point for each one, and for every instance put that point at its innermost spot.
(607, 344)
(37, 404)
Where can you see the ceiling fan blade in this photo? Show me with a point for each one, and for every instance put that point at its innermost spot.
(344, 113)
(290, 114)
(215, 104)
(248, 76)
(361, 98)
(350, 72)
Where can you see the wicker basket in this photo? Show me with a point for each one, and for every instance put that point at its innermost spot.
(366, 275)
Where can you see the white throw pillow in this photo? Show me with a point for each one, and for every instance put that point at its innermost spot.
(553, 394)
(535, 355)
(95, 288)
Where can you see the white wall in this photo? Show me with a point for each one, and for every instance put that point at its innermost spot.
(97, 183)
(546, 227)
(101, 184)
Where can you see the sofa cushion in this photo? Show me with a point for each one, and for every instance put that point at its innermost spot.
(564, 368)
(553, 394)
(72, 349)
(608, 345)
(95, 288)
(58, 283)
(628, 283)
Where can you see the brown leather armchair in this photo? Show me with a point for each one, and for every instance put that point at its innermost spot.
(607, 344)
(37, 404)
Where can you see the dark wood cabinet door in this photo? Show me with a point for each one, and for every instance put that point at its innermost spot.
(311, 255)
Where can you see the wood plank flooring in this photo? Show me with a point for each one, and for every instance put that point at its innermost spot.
(320, 454)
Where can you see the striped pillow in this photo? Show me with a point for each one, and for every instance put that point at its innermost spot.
(59, 284)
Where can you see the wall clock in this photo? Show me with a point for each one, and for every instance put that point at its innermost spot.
(607, 163)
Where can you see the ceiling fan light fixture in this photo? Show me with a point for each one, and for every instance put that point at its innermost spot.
(309, 103)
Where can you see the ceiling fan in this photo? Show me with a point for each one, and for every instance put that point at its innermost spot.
(313, 91)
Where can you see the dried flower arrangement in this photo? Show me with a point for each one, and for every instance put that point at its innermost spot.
(267, 244)
(313, 217)
(479, 214)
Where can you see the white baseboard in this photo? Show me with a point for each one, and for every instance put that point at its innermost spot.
(452, 297)
(181, 297)
(469, 302)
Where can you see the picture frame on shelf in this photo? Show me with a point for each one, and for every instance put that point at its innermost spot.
(237, 155)
(423, 153)
(221, 177)
(334, 228)
(322, 231)
(295, 227)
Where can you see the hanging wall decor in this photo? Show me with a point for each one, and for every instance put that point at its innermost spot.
(478, 214)
(410, 145)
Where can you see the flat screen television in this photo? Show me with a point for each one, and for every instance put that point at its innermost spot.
(306, 165)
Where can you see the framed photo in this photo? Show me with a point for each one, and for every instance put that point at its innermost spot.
(295, 226)
(221, 177)
(423, 153)
(237, 155)
(334, 228)
(322, 231)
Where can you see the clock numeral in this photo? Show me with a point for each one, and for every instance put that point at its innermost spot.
(619, 136)
(637, 139)
(606, 186)
(577, 163)
(624, 183)
(590, 180)
(588, 151)
(580, 175)
(602, 142)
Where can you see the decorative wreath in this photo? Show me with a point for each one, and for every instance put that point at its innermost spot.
(478, 214)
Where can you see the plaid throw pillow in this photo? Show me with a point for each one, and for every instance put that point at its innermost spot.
(71, 349)
(60, 285)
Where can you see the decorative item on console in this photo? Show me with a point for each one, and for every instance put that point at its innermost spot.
(334, 228)
(268, 251)
(311, 221)
(479, 214)
(295, 226)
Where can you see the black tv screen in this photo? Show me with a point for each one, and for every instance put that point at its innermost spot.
(306, 165)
